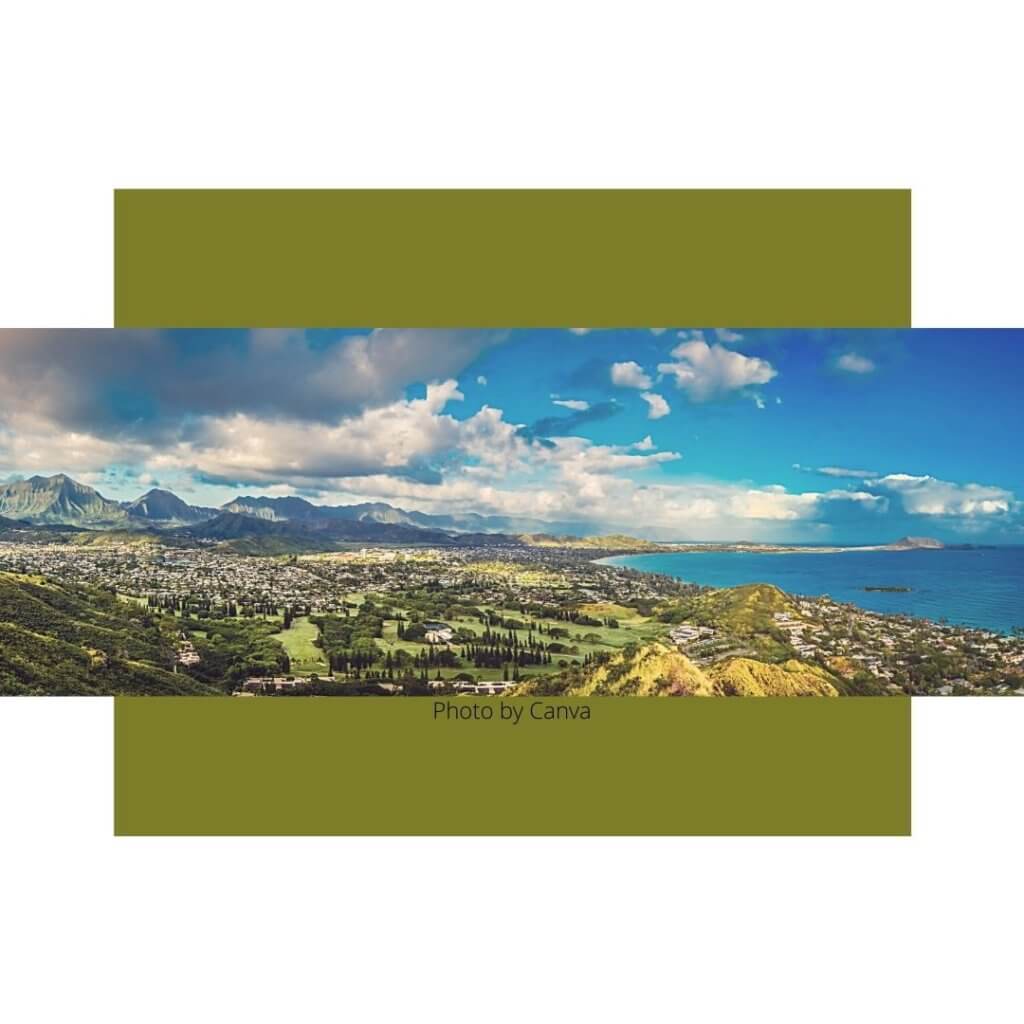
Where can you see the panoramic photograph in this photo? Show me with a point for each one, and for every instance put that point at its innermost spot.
(537, 513)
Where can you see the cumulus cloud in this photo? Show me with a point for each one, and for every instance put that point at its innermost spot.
(482, 381)
(706, 371)
(330, 417)
(413, 437)
(405, 437)
(30, 444)
(927, 496)
(629, 375)
(727, 336)
(851, 362)
(141, 385)
(580, 330)
(415, 451)
(657, 406)
(394, 437)
(581, 489)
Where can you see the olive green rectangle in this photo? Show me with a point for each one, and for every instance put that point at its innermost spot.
(293, 766)
(512, 258)
(501, 258)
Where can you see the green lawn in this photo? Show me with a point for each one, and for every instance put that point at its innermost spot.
(305, 656)
(632, 629)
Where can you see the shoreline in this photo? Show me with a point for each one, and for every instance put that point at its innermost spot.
(613, 562)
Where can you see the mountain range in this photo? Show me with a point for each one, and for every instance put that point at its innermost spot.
(292, 508)
(61, 501)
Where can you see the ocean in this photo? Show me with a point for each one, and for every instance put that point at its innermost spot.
(982, 588)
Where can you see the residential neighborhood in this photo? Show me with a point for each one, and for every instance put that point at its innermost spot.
(482, 620)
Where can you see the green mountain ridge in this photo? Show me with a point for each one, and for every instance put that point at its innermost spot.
(160, 506)
(58, 500)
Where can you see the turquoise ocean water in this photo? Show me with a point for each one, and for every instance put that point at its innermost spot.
(982, 587)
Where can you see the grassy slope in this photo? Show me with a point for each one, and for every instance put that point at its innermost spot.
(654, 670)
(659, 669)
(742, 610)
(741, 677)
(67, 639)
(304, 655)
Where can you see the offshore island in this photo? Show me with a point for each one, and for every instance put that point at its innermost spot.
(275, 597)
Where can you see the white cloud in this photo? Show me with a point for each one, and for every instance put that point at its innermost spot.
(838, 471)
(418, 451)
(687, 509)
(580, 330)
(629, 375)
(415, 453)
(854, 363)
(395, 437)
(727, 336)
(482, 381)
(657, 330)
(658, 407)
(68, 376)
(757, 400)
(31, 444)
(927, 496)
(706, 371)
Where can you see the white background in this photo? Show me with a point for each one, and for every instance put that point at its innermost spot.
(101, 95)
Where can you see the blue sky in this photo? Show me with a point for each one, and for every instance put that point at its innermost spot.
(940, 402)
(678, 433)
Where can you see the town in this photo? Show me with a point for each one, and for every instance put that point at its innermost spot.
(394, 620)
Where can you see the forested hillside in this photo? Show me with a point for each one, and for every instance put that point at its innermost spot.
(68, 639)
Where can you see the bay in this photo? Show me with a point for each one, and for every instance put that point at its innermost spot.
(978, 587)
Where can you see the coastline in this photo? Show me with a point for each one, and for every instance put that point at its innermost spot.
(933, 599)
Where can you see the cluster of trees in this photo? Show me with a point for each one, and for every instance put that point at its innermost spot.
(497, 656)
(232, 650)
(432, 603)
(205, 608)
(348, 642)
